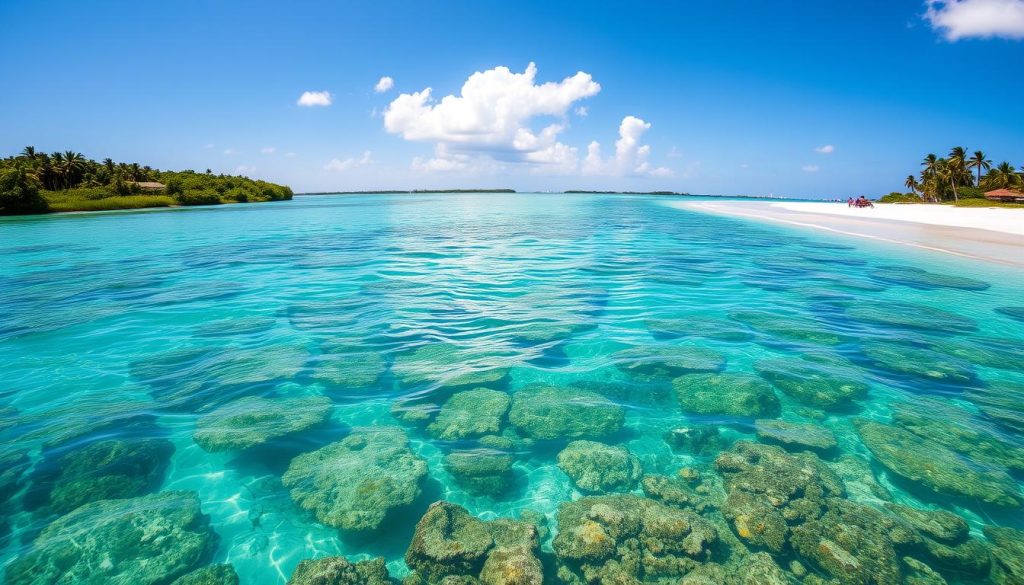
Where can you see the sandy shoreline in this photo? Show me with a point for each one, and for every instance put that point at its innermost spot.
(991, 235)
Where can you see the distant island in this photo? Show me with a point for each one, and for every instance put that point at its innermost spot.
(406, 192)
(34, 182)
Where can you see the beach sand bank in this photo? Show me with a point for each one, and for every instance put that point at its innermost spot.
(991, 235)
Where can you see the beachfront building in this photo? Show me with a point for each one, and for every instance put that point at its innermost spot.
(1005, 195)
(151, 186)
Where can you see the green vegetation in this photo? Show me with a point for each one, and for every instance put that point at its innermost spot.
(896, 197)
(34, 182)
(958, 178)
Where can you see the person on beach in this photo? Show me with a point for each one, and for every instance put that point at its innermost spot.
(849, 202)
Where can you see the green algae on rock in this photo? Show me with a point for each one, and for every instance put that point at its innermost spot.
(731, 394)
(452, 546)
(694, 439)
(672, 491)
(935, 467)
(596, 467)
(428, 363)
(695, 326)
(795, 436)
(770, 488)
(472, 413)
(546, 412)
(917, 361)
(1008, 554)
(990, 352)
(107, 470)
(919, 278)
(481, 471)
(253, 420)
(210, 575)
(957, 430)
(910, 316)
(1000, 401)
(815, 384)
(1015, 313)
(787, 326)
(853, 543)
(666, 361)
(149, 540)
(629, 539)
(352, 484)
(340, 571)
(349, 365)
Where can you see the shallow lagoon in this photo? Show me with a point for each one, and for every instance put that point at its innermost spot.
(318, 372)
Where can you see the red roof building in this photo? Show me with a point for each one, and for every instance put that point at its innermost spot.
(1004, 195)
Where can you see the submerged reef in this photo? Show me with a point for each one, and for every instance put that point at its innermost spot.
(934, 467)
(596, 467)
(450, 546)
(955, 429)
(481, 472)
(563, 413)
(732, 394)
(340, 571)
(472, 413)
(788, 327)
(629, 539)
(910, 316)
(919, 278)
(795, 436)
(819, 385)
(107, 470)
(211, 575)
(253, 420)
(661, 361)
(694, 326)
(148, 540)
(917, 361)
(349, 365)
(1002, 402)
(352, 484)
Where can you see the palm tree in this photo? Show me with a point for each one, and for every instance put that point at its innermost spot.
(1002, 176)
(71, 168)
(134, 171)
(108, 163)
(29, 152)
(978, 161)
(912, 184)
(956, 168)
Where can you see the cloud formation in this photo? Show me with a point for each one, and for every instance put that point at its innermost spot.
(630, 156)
(385, 84)
(963, 19)
(492, 112)
(490, 125)
(315, 98)
(827, 149)
(810, 168)
(338, 165)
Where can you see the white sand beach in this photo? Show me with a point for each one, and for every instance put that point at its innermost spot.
(988, 234)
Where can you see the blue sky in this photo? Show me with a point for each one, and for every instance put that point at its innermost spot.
(731, 97)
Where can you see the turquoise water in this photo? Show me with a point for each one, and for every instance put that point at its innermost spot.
(141, 350)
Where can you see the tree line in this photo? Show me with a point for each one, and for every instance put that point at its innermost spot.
(37, 182)
(961, 175)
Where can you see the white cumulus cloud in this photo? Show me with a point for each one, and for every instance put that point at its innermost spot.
(385, 84)
(315, 98)
(582, 111)
(630, 156)
(961, 19)
(827, 149)
(339, 165)
(492, 112)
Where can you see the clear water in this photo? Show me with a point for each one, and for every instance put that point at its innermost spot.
(553, 287)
